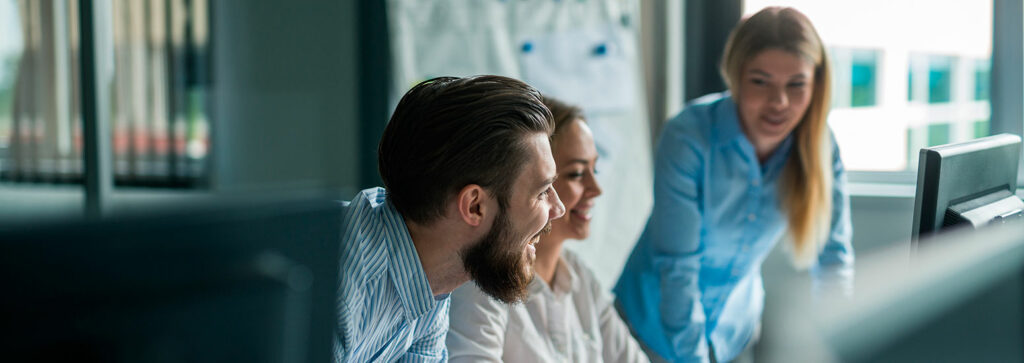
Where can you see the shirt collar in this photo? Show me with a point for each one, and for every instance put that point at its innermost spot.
(727, 117)
(730, 132)
(565, 282)
(405, 268)
(778, 158)
(565, 278)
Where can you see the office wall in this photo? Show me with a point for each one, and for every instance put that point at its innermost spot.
(284, 94)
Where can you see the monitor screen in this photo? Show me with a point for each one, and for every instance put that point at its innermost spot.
(254, 282)
(967, 184)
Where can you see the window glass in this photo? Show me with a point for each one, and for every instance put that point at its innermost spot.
(982, 79)
(158, 115)
(981, 128)
(40, 123)
(939, 70)
(863, 66)
(10, 54)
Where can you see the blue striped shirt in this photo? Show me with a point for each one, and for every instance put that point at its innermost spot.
(386, 311)
(695, 274)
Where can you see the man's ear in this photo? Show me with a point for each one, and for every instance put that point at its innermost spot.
(472, 204)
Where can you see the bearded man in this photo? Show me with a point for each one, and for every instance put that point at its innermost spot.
(468, 173)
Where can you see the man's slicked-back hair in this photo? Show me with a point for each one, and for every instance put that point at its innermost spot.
(448, 132)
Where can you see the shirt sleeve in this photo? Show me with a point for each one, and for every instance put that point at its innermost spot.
(833, 274)
(477, 332)
(674, 231)
(618, 344)
(431, 331)
(345, 333)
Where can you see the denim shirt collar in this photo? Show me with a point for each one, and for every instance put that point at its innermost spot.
(729, 132)
(727, 118)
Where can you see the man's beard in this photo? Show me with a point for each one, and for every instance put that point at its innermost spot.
(497, 262)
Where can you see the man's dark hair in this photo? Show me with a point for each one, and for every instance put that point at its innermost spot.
(450, 132)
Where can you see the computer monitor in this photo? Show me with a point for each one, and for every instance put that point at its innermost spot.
(254, 282)
(971, 183)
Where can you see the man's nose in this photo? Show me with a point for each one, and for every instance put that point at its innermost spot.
(557, 208)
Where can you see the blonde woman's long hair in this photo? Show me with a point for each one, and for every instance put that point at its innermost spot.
(806, 183)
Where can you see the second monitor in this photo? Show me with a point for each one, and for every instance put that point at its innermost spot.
(971, 183)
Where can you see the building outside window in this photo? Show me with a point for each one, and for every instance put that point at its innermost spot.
(939, 78)
(982, 79)
(854, 76)
(863, 76)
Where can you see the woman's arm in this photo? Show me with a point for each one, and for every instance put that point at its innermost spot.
(674, 233)
(833, 274)
(617, 342)
(477, 329)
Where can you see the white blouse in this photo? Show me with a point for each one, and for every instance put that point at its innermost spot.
(572, 321)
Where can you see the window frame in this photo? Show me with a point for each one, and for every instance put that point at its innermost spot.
(1007, 91)
(97, 54)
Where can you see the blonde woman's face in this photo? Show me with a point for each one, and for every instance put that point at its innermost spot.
(775, 90)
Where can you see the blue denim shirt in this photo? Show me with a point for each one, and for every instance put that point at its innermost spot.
(695, 273)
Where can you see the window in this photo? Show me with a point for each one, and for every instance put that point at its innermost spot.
(862, 78)
(982, 80)
(159, 80)
(854, 76)
(939, 79)
(10, 52)
(917, 76)
(938, 134)
(981, 128)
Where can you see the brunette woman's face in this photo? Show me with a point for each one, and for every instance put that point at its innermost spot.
(575, 158)
(775, 90)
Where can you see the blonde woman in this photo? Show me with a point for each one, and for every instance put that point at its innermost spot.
(568, 316)
(735, 173)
